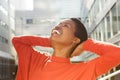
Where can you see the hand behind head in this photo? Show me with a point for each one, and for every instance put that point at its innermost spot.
(78, 50)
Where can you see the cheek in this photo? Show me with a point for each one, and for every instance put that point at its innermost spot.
(68, 36)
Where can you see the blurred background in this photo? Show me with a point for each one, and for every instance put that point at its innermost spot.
(38, 17)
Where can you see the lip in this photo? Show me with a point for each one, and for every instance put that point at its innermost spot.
(56, 32)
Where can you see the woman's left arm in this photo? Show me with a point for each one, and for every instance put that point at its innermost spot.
(109, 55)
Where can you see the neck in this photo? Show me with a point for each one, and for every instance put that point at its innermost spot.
(63, 51)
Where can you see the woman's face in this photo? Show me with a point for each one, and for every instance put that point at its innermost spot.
(63, 33)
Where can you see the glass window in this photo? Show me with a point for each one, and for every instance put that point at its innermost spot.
(114, 20)
(0, 39)
(95, 35)
(118, 13)
(109, 33)
(29, 21)
(91, 17)
(91, 35)
(96, 7)
(103, 30)
(4, 40)
(101, 4)
(101, 34)
(89, 20)
(98, 33)
(118, 43)
(3, 10)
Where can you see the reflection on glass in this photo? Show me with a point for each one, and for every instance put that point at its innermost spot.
(102, 25)
(109, 33)
(3, 10)
(118, 12)
(114, 20)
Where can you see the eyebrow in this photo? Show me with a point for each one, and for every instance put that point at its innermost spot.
(64, 22)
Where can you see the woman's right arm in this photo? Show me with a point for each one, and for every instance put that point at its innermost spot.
(30, 41)
(23, 44)
(26, 54)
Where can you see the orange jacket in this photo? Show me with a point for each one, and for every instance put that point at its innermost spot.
(36, 66)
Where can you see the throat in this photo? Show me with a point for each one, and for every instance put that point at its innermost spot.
(64, 53)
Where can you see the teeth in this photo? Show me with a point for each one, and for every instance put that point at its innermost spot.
(56, 31)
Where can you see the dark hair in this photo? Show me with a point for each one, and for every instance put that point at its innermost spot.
(80, 30)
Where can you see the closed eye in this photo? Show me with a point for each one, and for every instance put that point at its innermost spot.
(65, 25)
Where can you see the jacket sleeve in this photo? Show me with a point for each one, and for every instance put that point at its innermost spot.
(26, 55)
(109, 55)
(31, 41)
(23, 44)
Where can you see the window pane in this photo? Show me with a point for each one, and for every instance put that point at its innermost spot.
(108, 26)
(103, 31)
(114, 20)
(29, 21)
(118, 12)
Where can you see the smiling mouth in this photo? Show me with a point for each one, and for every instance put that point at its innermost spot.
(56, 32)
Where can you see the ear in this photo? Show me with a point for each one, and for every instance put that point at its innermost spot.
(76, 41)
(78, 50)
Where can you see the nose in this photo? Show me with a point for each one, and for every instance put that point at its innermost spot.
(57, 27)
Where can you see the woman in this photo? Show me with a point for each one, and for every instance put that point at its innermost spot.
(68, 39)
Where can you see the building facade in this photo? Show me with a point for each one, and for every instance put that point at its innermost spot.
(7, 62)
(102, 18)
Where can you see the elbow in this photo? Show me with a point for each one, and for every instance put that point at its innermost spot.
(14, 40)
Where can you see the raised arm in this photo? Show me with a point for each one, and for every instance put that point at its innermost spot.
(27, 56)
(22, 42)
(100, 48)
(31, 41)
(109, 55)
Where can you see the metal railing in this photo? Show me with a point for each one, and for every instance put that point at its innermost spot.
(110, 75)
